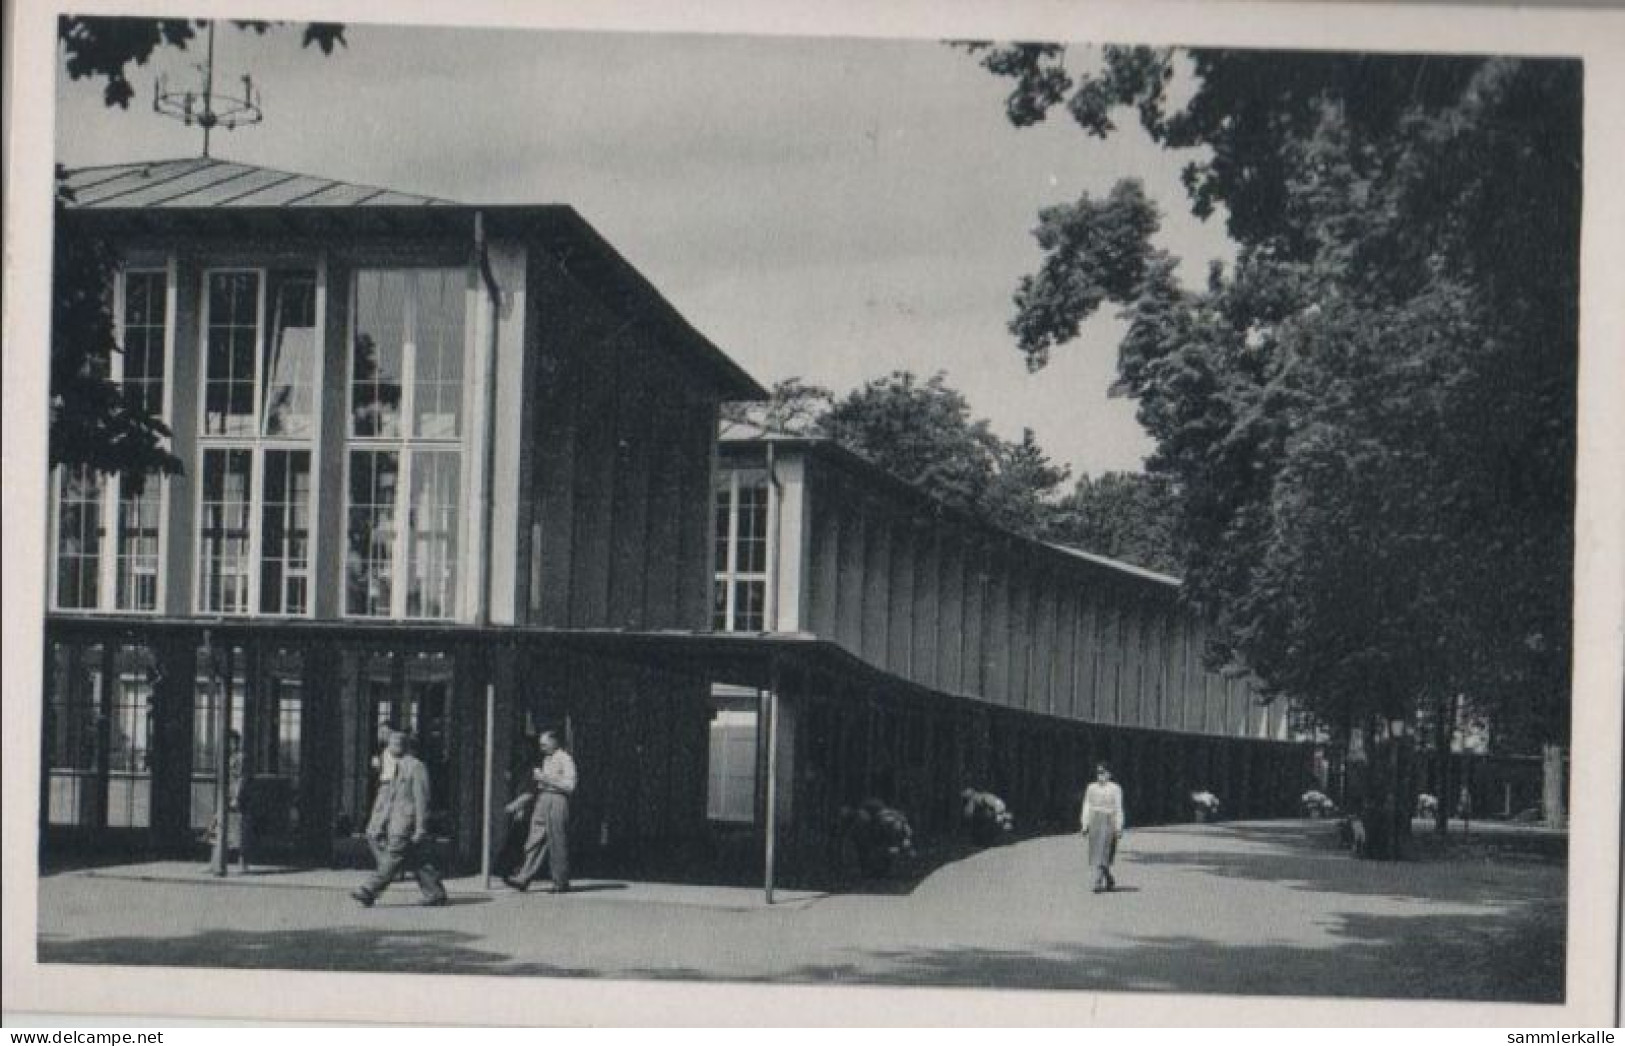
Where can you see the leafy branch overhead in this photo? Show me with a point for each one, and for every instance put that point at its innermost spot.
(1370, 417)
(105, 47)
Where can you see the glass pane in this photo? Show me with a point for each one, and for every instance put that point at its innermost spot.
(217, 668)
(144, 321)
(289, 723)
(432, 540)
(285, 533)
(369, 559)
(72, 712)
(376, 355)
(749, 599)
(233, 331)
(719, 604)
(437, 336)
(279, 720)
(79, 539)
(129, 791)
(290, 355)
(720, 517)
(429, 679)
(138, 543)
(223, 554)
(752, 556)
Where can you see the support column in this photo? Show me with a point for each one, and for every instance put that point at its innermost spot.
(771, 814)
(172, 756)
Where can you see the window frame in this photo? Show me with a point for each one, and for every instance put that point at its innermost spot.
(407, 443)
(728, 574)
(258, 444)
(110, 497)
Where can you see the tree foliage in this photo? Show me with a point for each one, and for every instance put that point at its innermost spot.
(1129, 516)
(104, 47)
(924, 433)
(1370, 417)
(93, 422)
(793, 408)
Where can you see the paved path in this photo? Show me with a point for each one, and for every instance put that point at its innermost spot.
(1231, 908)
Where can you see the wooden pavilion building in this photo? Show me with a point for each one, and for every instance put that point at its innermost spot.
(455, 468)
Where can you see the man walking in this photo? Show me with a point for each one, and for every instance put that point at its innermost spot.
(549, 819)
(399, 828)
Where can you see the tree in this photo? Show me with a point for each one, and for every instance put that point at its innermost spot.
(1371, 417)
(921, 432)
(92, 422)
(1129, 516)
(1021, 494)
(924, 434)
(793, 408)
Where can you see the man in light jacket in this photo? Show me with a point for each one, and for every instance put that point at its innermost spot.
(399, 828)
(555, 783)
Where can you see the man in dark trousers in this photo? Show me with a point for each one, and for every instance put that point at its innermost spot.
(549, 818)
(399, 828)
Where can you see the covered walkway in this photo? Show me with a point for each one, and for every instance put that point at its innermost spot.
(137, 709)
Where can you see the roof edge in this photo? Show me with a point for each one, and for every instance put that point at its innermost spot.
(845, 456)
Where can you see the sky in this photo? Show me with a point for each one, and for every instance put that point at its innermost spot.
(831, 209)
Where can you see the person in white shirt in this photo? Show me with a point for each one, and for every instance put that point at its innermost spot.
(1102, 825)
(555, 783)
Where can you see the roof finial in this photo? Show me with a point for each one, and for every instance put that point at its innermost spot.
(211, 110)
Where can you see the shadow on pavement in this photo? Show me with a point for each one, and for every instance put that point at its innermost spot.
(734, 859)
(1462, 957)
(1459, 962)
(331, 948)
(1312, 860)
(1507, 946)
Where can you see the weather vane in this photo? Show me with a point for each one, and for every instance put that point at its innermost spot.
(208, 110)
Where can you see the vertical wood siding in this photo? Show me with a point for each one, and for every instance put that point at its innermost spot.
(621, 473)
(966, 611)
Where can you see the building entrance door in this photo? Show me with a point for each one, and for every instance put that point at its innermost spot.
(411, 691)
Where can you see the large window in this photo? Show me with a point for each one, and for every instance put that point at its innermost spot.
(225, 534)
(108, 527)
(739, 600)
(138, 550)
(145, 313)
(285, 528)
(405, 457)
(730, 793)
(129, 772)
(73, 751)
(98, 730)
(80, 531)
(259, 406)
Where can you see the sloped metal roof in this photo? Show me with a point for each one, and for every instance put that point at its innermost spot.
(208, 182)
(198, 194)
